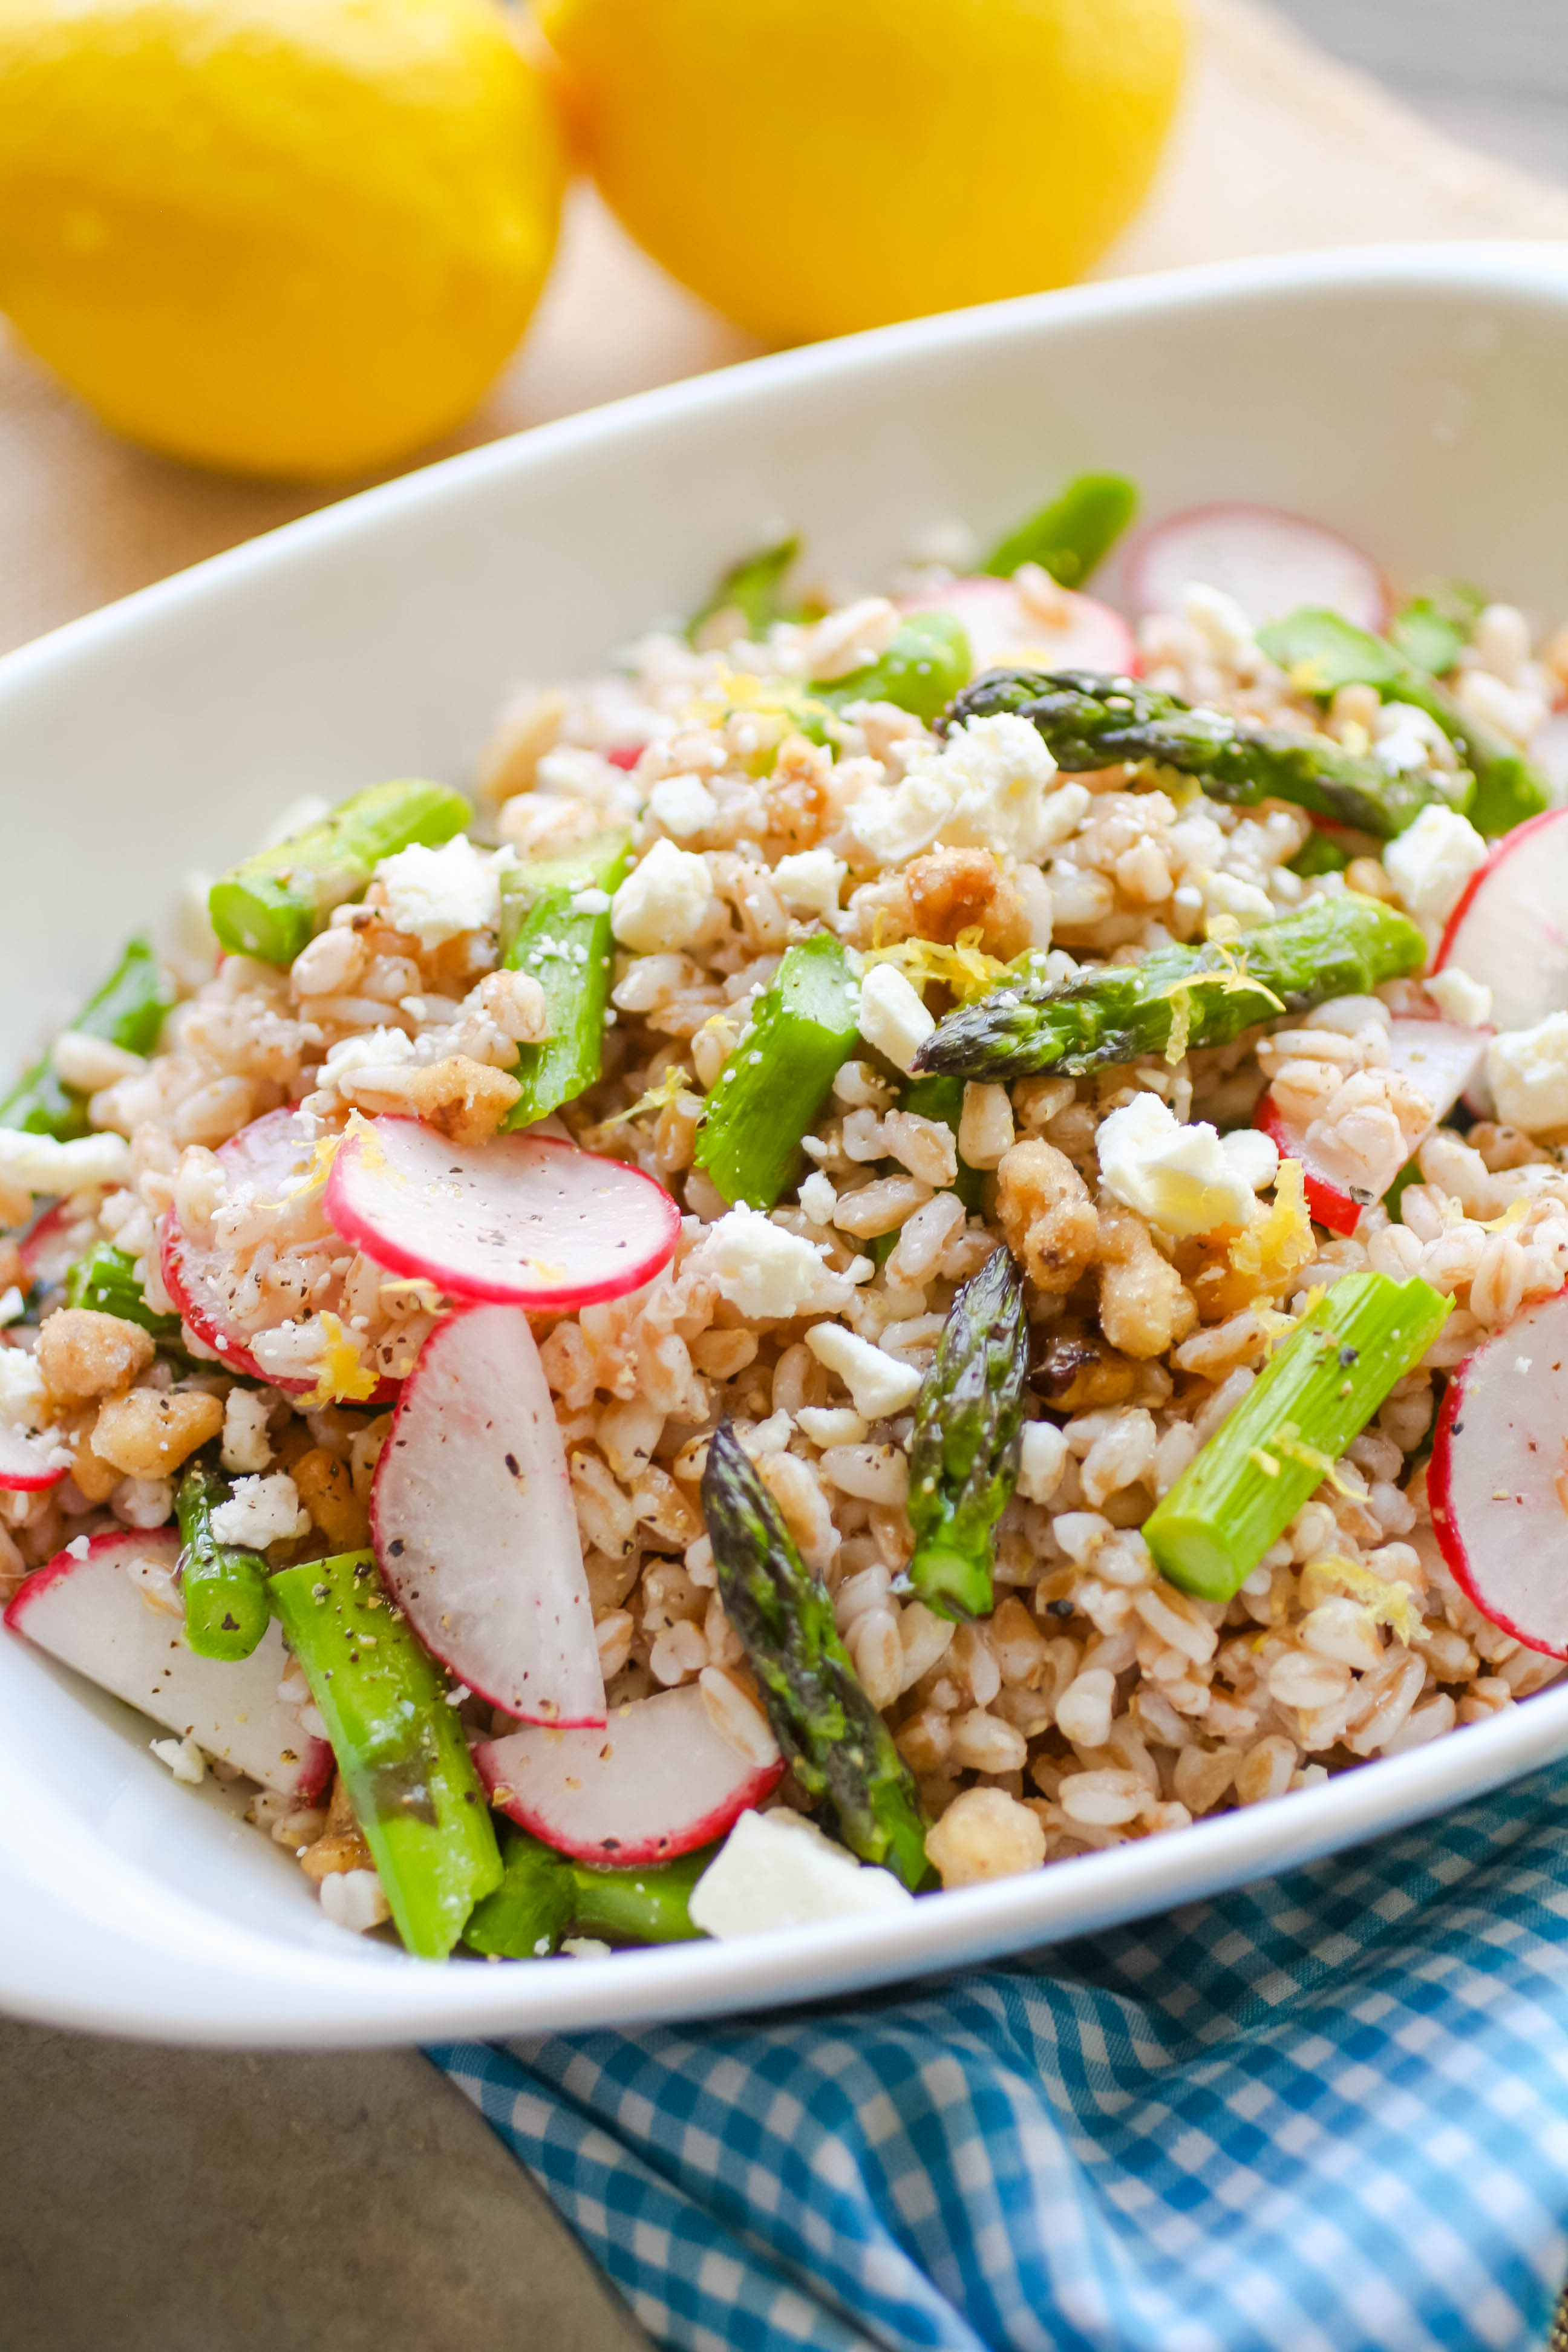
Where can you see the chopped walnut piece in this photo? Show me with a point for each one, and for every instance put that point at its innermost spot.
(1143, 1306)
(955, 891)
(150, 1433)
(326, 1490)
(342, 1844)
(82, 1354)
(1046, 1212)
(461, 1099)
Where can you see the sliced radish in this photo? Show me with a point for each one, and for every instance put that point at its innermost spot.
(1499, 1475)
(99, 1616)
(625, 755)
(53, 1244)
(1549, 750)
(522, 1220)
(25, 1463)
(659, 1781)
(1269, 562)
(1441, 1059)
(198, 1277)
(1004, 633)
(1509, 930)
(474, 1525)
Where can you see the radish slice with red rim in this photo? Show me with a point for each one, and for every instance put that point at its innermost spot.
(1498, 1477)
(125, 1632)
(1004, 633)
(474, 1527)
(1510, 930)
(25, 1464)
(659, 1781)
(53, 1243)
(522, 1220)
(199, 1276)
(1271, 563)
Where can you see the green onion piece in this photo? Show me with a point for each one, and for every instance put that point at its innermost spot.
(771, 1088)
(1071, 537)
(922, 669)
(754, 588)
(398, 1743)
(223, 1585)
(1261, 1465)
(105, 1281)
(567, 947)
(127, 1011)
(274, 903)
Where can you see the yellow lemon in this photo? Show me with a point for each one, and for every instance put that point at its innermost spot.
(812, 166)
(286, 237)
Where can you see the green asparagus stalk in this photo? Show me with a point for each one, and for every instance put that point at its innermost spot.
(1323, 652)
(1091, 720)
(1433, 631)
(545, 1897)
(556, 926)
(775, 1081)
(127, 1011)
(1108, 1014)
(963, 1451)
(1071, 537)
(834, 1740)
(941, 1098)
(273, 904)
(398, 1743)
(754, 588)
(1284, 1438)
(922, 669)
(105, 1281)
(225, 1585)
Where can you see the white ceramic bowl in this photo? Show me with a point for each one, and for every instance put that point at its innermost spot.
(1414, 398)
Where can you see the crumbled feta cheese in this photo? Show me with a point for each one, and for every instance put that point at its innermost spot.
(246, 1444)
(879, 1383)
(683, 805)
(1225, 894)
(1180, 1178)
(895, 821)
(262, 1511)
(1222, 625)
(663, 903)
(1042, 1458)
(832, 1424)
(438, 893)
(79, 1546)
(36, 1163)
(21, 1389)
(354, 1899)
(892, 1017)
(572, 773)
(817, 1198)
(1527, 1070)
(1460, 999)
(12, 1304)
(369, 1049)
(1254, 1155)
(584, 1948)
(809, 883)
(1407, 737)
(988, 788)
(184, 1759)
(766, 1272)
(778, 1869)
(591, 901)
(1431, 861)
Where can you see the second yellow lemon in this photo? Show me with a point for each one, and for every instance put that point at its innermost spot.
(281, 236)
(813, 166)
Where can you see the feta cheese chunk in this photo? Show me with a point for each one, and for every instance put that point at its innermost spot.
(892, 1017)
(184, 1759)
(683, 805)
(663, 903)
(989, 787)
(879, 1383)
(21, 1389)
(766, 1272)
(817, 1198)
(809, 882)
(1431, 861)
(1467, 1003)
(1527, 1070)
(354, 1899)
(1180, 1178)
(259, 1512)
(778, 1869)
(36, 1163)
(438, 893)
(247, 1446)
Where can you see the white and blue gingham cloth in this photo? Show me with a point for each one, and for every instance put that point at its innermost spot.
(1329, 2114)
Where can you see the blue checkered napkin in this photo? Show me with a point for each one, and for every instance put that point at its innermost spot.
(1329, 2114)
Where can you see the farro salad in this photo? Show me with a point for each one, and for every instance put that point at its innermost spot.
(931, 1237)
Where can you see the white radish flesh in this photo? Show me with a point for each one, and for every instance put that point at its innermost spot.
(659, 1781)
(199, 1276)
(25, 1463)
(474, 1527)
(523, 1219)
(97, 1615)
(1005, 633)
(1498, 1477)
(1271, 563)
(1509, 930)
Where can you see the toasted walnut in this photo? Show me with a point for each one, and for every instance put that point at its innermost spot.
(81, 1354)
(461, 1099)
(96, 1478)
(796, 796)
(955, 891)
(1076, 1371)
(1144, 1306)
(1047, 1214)
(341, 1846)
(326, 1489)
(985, 1833)
(150, 1432)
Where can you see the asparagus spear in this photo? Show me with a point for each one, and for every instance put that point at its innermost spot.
(556, 926)
(1090, 720)
(1340, 946)
(545, 1897)
(1261, 1465)
(963, 1452)
(1071, 537)
(836, 1744)
(127, 1011)
(772, 1087)
(1324, 652)
(274, 903)
(105, 1280)
(225, 1585)
(399, 1746)
(922, 669)
(1433, 631)
(754, 588)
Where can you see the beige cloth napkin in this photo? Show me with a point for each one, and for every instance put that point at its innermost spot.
(1278, 150)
